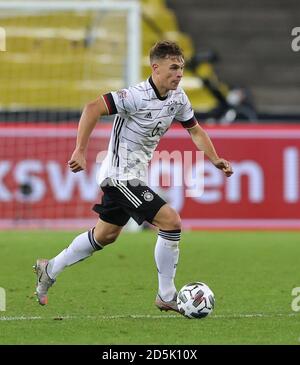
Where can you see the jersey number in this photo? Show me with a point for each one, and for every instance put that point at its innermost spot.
(155, 129)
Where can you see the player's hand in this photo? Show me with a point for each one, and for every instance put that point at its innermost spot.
(224, 165)
(77, 161)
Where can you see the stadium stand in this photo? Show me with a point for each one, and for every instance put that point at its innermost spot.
(254, 41)
(52, 61)
(58, 61)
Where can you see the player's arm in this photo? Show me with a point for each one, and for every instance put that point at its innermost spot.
(88, 120)
(204, 143)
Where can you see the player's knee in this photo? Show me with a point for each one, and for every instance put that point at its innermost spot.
(109, 238)
(172, 223)
(167, 219)
(106, 233)
(176, 223)
(106, 238)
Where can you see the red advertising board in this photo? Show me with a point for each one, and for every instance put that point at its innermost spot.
(37, 188)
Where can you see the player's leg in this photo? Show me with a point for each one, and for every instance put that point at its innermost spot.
(83, 246)
(166, 255)
(107, 229)
(142, 203)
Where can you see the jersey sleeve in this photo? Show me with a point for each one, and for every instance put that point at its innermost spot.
(187, 124)
(124, 101)
(185, 114)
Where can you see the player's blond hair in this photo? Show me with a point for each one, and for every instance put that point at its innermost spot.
(164, 49)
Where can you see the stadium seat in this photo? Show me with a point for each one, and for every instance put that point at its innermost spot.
(56, 62)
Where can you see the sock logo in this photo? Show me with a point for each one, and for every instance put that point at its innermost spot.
(147, 195)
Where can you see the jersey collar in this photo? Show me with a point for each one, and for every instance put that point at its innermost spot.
(156, 91)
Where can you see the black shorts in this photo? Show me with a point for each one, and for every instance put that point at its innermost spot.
(125, 199)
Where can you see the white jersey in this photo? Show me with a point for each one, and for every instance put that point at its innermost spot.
(142, 118)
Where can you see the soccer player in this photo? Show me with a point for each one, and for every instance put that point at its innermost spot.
(144, 112)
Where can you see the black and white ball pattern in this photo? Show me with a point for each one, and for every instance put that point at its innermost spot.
(195, 300)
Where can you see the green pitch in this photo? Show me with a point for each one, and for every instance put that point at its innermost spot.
(108, 298)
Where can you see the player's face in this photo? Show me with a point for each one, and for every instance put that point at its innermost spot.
(170, 71)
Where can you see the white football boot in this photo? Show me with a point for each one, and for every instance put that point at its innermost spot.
(167, 306)
(44, 282)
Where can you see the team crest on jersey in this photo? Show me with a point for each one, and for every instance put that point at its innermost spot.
(122, 94)
(172, 108)
(147, 195)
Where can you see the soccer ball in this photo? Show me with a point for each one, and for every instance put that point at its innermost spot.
(195, 300)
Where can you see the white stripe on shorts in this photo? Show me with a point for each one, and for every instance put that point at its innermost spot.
(128, 194)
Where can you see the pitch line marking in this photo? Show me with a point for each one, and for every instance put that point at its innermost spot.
(142, 316)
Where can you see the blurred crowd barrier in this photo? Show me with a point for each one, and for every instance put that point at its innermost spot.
(37, 189)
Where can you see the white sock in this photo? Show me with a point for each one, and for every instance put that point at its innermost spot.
(166, 257)
(81, 247)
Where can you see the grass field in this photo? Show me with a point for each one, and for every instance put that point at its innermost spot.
(109, 298)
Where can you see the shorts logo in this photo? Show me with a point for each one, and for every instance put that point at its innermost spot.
(147, 195)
